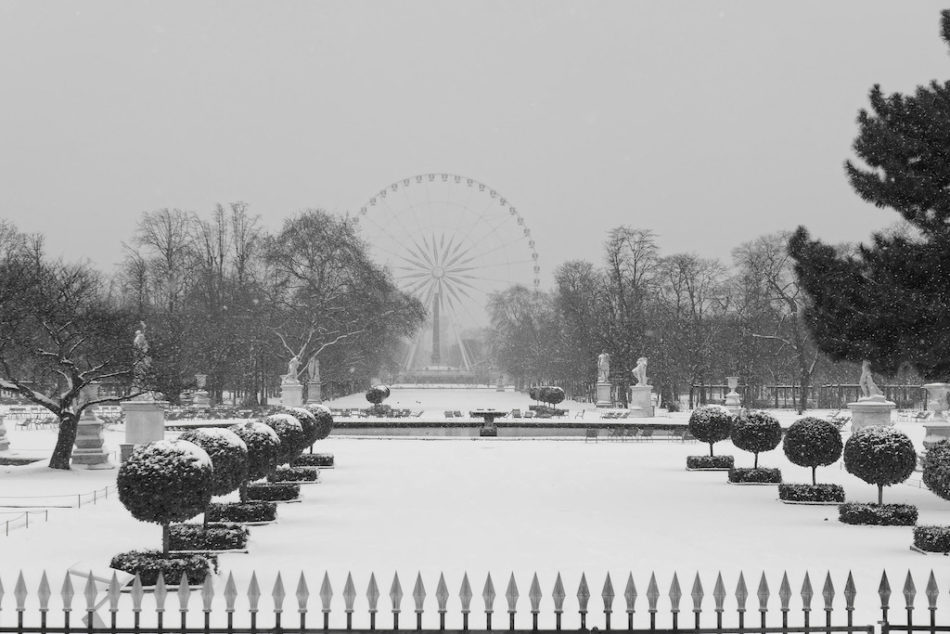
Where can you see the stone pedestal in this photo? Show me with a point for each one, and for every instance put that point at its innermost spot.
(937, 430)
(89, 451)
(641, 401)
(291, 394)
(144, 422)
(500, 386)
(202, 399)
(603, 394)
(4, 441)
(733, 400)
(873, 410)
(313, 392)
(937, 398)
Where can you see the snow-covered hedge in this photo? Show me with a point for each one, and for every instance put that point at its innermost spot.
(291, 434)
(710, 462)
(228, 455)
(881, 456)
(148, 563)
(756, 475)
(811, 492)
(165, 481)
(756, 431)
(932, 539)
(243, 512)
(273, 492)
(710, 424)
(812, 442)
(936, 465)
(196, 537)
(324, 420)
(262, 444)
(550, 394)
(878, 514)
(314, 460)
(294, 474)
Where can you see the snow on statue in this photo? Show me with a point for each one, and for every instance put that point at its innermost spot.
(603, 367)
(640, 372)
(292, 365)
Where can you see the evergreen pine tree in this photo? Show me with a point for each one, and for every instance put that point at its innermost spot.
(890, 303)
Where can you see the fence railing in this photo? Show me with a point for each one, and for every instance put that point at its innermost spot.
(127, 613)
(18, 511)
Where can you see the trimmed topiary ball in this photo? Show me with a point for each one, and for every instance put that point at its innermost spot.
(290, 432)
(881, 456)
(936, 464)
(324, 420)
(756, 431)
(812, 442)
(710, 424)
(228, 455)
(534, 393)
(309, 423)
(262, 443)
(551, 394)
(165, 481)
(377, 394)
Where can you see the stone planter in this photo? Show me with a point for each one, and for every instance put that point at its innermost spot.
(937, 397)
(870, 411)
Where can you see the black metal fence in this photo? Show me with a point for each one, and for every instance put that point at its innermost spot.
(117, 603)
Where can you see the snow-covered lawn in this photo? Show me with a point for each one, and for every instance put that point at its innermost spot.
(502, 506)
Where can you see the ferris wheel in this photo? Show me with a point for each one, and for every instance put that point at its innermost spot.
(450, 241)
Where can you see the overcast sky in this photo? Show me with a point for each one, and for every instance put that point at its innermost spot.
(709, 122)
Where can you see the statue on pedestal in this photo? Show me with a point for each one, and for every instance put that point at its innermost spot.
(868, 388)
(141, 362)
(292, 366)
(603, 367)
(640, 371)
(313, 369)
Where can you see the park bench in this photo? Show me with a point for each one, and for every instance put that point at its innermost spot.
(102, 579)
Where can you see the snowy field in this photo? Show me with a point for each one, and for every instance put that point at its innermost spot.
(503, 506)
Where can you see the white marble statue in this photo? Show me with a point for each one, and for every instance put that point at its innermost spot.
(640, 371)
(313, 369)
(866, 383)
(603, 367)
(292, 366)
(141, 362)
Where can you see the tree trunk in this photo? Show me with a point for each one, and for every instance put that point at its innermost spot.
(63, 451)
(166, 538)
(880, 494)
(243, 491)
(711, 450)
(813, 475)
(755, 465)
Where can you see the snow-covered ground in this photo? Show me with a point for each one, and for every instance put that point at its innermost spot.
(453, 506)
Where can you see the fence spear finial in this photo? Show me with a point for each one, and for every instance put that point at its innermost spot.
(278, 594)
(395, 593)
(583, 594)
(719, 593)
(607, 594)
(465, 594)
(207, 593)
(558, 594)
(932, 591)
(630, 594)
(20, 592)
(372, 593)
(184, 592)
(807, 593)
(884, 591)
(850, 592)
(785, 592)
(511, 594)
(910, 591)
(534, 594)
(442, 594)
(697, 594)
(419, 593)
(253, 592)
(828, 592)
(763, 593)
(742, 593)
(44, 593)
(230, 592)
(349, 593)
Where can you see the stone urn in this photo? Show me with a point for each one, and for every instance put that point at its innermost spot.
(733, 400)
(937, 397)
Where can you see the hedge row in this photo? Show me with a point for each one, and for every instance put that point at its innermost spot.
(294, 474)
(148, 563)
(933, 539)
(878, 514)
(242, 512)
(710, 462)
(273, 492)
(196, 537)
(755, 475)
(314, 460)
(811, 493)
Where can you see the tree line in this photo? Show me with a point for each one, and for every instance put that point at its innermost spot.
(215, 295)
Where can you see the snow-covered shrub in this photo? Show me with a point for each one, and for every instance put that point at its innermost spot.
(877, 514)
(812, 442)
(811, 493)
(148, 563)
(243, 512)
(881, 456)
(314, 460)
(308, 421)
(291, 435)
(273, 492)
(263, 444)
(710, 424)
(550, 394)
(324, 420)
(198, 537)
(717, 463)
(294, 474)
(756, 431)
(165, 481)
(228, 455)
(932, 539)
(377, 394)
(936, 464)
(755, 475)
